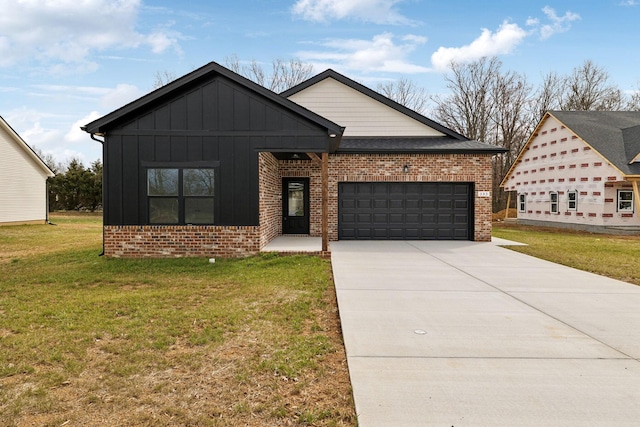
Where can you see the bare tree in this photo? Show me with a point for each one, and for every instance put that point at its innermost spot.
(512, 116)
(487, 104)
(284, 74)
(49, 160)
(163, 77)
(548, 96)
(469, 107)
(633, 102)
(407, 93)
(588, 89)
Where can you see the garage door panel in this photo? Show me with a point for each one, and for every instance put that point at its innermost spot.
(380, 218)
(380, 203)
(396, 204)
(347, 204)
(397, 218)
(348, 218)
(412, 218)
(363, 218)
(402, 210)
(363, 203)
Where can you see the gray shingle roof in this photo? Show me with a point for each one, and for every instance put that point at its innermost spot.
(614, 134)
(415, 144)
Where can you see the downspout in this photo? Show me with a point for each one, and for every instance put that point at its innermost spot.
(93, 136)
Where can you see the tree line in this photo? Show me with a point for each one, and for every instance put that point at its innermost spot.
(485, 103)
(74, 186)
(489, 104)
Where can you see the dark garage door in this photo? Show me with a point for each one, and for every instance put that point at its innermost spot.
(405, 211)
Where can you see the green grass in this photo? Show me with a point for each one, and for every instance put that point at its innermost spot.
(82, 334)
(608, 255)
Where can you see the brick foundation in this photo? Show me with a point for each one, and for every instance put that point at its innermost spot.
(153, 241)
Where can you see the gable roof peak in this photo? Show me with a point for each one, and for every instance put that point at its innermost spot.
(341, 78)
(212, 68)
(26, 147)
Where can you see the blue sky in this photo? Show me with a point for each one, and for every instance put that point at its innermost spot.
(64, 63)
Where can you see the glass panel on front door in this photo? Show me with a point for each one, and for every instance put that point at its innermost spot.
(296, 199)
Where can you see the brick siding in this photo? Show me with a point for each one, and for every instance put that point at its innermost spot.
(389, 168)
(174, 241)
(216, 241)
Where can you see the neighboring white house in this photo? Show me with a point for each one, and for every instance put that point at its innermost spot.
(580, 169)
(23, 180)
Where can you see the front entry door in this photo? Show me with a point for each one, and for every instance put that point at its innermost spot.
(295, 205)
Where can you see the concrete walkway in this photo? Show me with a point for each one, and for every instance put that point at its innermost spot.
(472, 334)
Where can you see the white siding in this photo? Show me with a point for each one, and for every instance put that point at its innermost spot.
(556, 160)
(360, 114)
(22, 183)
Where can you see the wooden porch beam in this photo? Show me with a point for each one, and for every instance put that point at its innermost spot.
(325, 202)
(314, 157)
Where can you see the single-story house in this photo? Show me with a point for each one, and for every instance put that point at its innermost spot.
(213, 164)
(23, 180)
(580, 169)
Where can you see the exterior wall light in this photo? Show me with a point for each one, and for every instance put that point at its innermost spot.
(406, 168)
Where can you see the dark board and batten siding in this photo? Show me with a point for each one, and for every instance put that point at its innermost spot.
(216, 120)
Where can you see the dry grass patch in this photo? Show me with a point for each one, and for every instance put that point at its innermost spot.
(86, 340)
(17, 241)
(613, 256)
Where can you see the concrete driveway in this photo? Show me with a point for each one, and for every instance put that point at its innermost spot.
(472, 334)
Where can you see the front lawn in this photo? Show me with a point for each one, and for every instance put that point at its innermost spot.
(608, 255)
(86, 340)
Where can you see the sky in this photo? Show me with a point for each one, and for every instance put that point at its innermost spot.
(65, 63)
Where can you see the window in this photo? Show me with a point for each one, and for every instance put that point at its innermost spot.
(522, 202)
(181, 196)
(572, 198)
(553, 198)
(625, 200)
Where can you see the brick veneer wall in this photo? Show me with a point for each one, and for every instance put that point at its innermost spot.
(155, 241)
(389, 167)
(270, 189)
(136, 241)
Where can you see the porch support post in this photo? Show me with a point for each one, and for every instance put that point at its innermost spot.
(325, 202)
(636, 196)
(506, 212)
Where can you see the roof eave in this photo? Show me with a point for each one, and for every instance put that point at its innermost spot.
(423, 151)
(14, 135)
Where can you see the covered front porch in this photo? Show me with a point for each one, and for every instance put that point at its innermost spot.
(297, 245)
(294, 202)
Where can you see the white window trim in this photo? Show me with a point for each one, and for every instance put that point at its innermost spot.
(522, 204)
(631, 204)
(553, 204)
(575, 201)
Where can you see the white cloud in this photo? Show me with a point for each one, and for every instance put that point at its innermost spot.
(64, 33)
(503, 41)
(108, 97)
(375, 11)
(558, 24)
(76, 134)
(630, 3)
(381, 54)
(122, 94)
